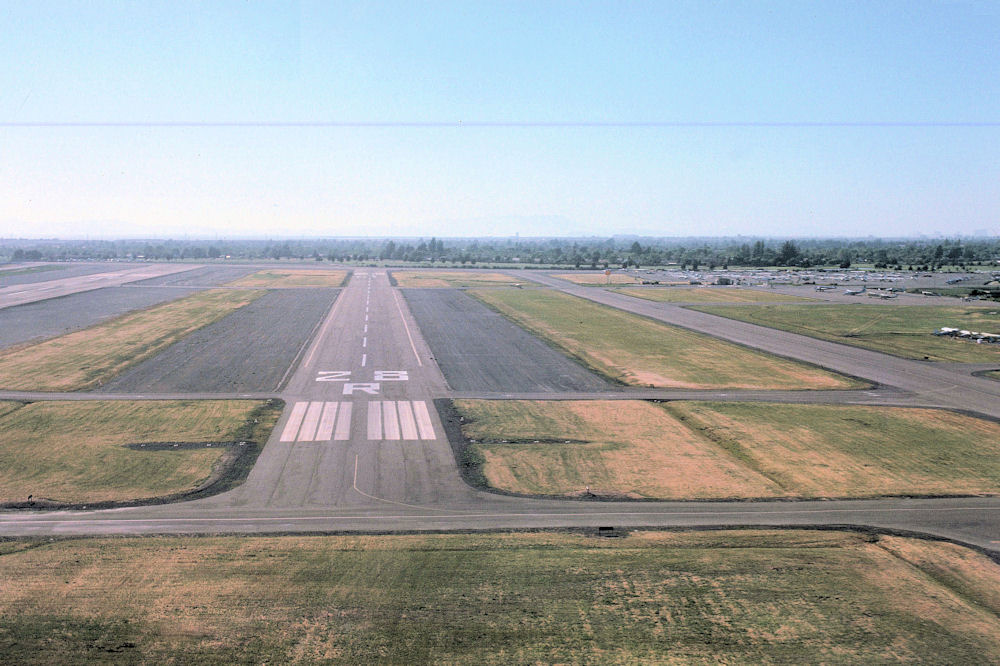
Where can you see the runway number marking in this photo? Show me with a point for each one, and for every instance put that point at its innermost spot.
(391, 376)
(333, 375)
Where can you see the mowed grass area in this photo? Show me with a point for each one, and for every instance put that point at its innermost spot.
(74, 452)
(453, 279)
(902, 330)
(291, 278)
(710, 295)
(86, 359)
(693, 598)
(706, 450)
(641, 352)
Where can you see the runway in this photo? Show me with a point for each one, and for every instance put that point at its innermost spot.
(360, 448)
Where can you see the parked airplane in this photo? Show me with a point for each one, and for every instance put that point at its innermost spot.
(825, 287)
(855, 292)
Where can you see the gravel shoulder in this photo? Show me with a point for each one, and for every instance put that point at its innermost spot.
(46, 319)
(248, 351)
(477, 349)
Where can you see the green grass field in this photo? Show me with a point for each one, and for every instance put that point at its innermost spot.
(694, 598)
(710, 295)
(901, 330)
(642, 352)
(86, 359)
(700, 450)
(75, 452)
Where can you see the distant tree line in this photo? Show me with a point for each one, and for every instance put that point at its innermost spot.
(614, 252)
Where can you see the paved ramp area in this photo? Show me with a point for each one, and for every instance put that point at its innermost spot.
(40, 320)
(479, 350)
(207, 276)
(248, 351)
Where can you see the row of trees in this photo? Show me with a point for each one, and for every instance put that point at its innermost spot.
(580, 252)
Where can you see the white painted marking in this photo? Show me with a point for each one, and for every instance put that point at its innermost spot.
(390, 420)
(364, 341)
(366, 328)
(407, 426)
(407, 326)
(333, 375)
(325, 431)
(375, 420)
(343, 432)
(294, 421)
(310, 422)
(371, 388)
(391, 376)
(423, 420)
(364, 360)
(366, 317)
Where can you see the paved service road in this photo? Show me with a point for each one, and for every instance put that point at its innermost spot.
(360, 448)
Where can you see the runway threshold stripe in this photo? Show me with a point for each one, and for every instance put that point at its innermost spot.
(308, 431)
(325, 431)
(343, 432)
(407, 426)
(424, 424)
(375, 420)
(389, 420)
(294, 421)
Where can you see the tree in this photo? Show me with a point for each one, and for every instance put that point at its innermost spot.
(787, 254)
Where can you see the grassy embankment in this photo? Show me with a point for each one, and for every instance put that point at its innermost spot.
(699, 450)
(711, 295)
(88, 358)
(291, 278)
(689, 597)
(454, 279)
(642, 352)
(75, 452)
(905, 331)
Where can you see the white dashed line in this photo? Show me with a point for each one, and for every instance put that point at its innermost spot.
(364, 360)
(364, 341)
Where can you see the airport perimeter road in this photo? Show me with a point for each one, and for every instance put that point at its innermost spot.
(360, 448)
(38, 291)
(930, 383)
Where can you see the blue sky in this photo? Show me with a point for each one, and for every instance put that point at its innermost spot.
(90, 93)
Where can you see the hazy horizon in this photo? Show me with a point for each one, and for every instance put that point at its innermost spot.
(456, 119)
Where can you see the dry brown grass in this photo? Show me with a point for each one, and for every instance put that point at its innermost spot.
(75, 451)
(86, 359)
(711, 295)
(616, 448)
(598, 279)
(748, 596)
(453, 279)
(286, 278)
(855, 451)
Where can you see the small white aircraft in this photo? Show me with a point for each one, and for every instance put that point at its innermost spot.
(826, 287)
(855, 292)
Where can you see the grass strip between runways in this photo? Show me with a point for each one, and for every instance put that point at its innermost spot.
(711, 450)
(730, 597)
(88, 358)
(642, 352)
(454, 279)
(92, 450)
(292, 278)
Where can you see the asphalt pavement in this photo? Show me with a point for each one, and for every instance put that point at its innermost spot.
(360, 447)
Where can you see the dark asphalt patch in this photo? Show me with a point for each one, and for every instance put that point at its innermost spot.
(245, 352)
(208, 276)
(479, 350)
(55, 316)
